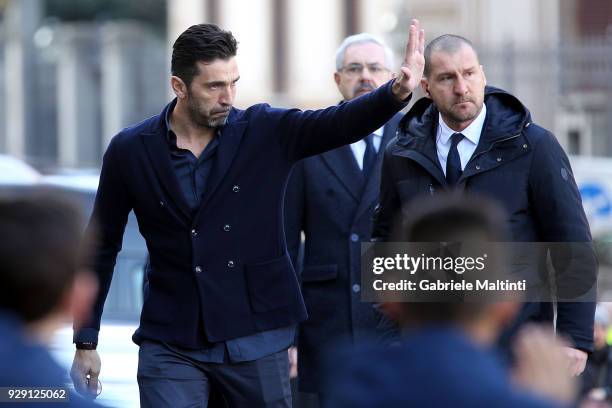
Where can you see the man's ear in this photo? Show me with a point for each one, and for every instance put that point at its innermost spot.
(178, 87)
(425, 87)
(337, 78)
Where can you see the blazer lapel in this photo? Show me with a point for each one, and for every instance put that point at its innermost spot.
(343, 165)
(229, 136)
(371, 190)
(159, 154)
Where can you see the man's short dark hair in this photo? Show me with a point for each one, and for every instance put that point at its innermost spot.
(450, 218)
(40, 252)
(200, 43)
(448, 44)
(443, 218)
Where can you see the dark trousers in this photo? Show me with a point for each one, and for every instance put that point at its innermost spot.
(167, 378)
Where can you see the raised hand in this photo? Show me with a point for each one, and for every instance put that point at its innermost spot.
(413, 64)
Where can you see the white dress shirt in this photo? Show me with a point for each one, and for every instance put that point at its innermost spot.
(466, 146)
(359, 147)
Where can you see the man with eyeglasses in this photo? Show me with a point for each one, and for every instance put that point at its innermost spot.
(331, 198)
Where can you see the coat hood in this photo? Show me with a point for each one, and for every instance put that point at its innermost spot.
(506, 115)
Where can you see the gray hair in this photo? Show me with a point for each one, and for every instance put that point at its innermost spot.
(362, 38)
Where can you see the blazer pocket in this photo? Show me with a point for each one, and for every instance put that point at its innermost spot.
(318, 273)
(159, 302)
(269, 283)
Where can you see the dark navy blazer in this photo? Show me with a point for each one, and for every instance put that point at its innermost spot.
(330, 200)
(223, 272)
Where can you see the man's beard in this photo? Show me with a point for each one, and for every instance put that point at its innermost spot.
(206, 120)
(464, 116)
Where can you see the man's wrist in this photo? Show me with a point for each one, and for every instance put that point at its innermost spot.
(86, 345)
(396, 90)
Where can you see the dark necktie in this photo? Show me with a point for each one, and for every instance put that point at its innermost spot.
(369, 156)
(453, 161)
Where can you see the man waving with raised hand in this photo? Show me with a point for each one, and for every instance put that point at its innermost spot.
(206, 182)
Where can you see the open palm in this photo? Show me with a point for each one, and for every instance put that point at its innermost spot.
(413, 64)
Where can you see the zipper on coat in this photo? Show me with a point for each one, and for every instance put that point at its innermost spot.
(491, 147)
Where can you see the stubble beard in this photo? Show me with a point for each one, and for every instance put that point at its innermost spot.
(205, 120)
(462, 117)
(215, 123)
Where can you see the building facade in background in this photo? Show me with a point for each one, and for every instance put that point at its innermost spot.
(68, 87)
(555, 54)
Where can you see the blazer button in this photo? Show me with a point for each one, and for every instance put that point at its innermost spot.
(477, 167)
(198, 269)
(230, 264)
(162, 204)
(354, 237)
(194, 233)
(236, 188)
(499, 159)
(227, 227)
(356, 288)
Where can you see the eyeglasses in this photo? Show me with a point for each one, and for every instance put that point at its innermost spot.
(355, 70)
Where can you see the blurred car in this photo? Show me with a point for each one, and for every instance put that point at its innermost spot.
(14, 171)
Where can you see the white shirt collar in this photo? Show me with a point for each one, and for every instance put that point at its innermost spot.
(471, 133)
(379, 131)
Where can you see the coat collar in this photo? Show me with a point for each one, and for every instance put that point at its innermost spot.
(230, 137)
(506, 117)
(471, 133)
(156, 146)
(342, 163)
(371, 190)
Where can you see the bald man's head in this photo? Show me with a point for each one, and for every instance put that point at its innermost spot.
(448, 44)
(454, 80)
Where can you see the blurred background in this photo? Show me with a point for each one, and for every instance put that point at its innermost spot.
(75, 72)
